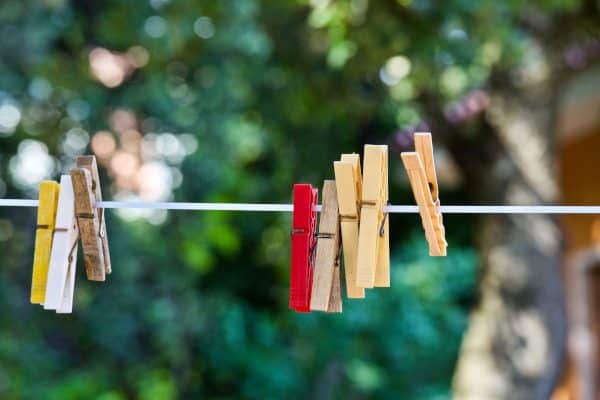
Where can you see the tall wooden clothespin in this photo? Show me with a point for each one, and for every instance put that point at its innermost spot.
(420, 167)
(61, 272)
(92, 226)
(373, 267)
(303, 246)
(349, 189)
(326, 290)
(48, 200)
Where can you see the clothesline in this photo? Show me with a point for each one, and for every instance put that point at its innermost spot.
(266, 207)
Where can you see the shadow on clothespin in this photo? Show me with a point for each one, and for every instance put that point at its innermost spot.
(46, 218)
(420, 168)
(373, 266)
(92, 226)
(349, 189)
(326, 290)
(304, 219)
(61, 271)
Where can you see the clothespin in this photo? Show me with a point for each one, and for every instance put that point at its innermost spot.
(349, 189)
(420, 167)
(46, 218)
(326, 294)
(63, 259)
(373, 266)
(303, 246)
(92, 226)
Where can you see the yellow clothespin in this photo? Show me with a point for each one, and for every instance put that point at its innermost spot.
(326, 294)
(46, 217)
(90, 219)
(63, 259)
(373, 267)
(349, 189)
(420, 167)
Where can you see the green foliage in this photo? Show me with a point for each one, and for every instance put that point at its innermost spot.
(153, 334)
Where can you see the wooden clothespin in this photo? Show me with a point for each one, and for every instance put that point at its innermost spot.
(48, 200)
(92, 226)
(303, 246)
(420, 167)
(349, 189)
(326, 295)
(373, 266)
(63, 259)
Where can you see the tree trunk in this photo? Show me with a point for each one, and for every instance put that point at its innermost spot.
(514, 346)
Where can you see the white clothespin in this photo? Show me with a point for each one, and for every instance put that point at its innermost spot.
(63, 259)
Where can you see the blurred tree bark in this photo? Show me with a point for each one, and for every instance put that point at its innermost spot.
(515, 344)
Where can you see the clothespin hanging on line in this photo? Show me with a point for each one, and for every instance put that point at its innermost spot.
(349, 189)
(304, 219)
(46, 217)
(420, 168)
(90, 219)
(373, 266)
(61, 272)
(326, 290)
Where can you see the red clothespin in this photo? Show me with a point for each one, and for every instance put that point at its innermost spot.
(304, 240)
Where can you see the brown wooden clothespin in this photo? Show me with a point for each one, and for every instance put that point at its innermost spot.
(420, 167)
(92, 226)
(326, 289)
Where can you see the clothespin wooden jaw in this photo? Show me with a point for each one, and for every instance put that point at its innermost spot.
(92, 226)
(46, 218)
(326, 294)
(349, 189)
(373, 267)
(61, 272)
(420, 167)
(303, 245)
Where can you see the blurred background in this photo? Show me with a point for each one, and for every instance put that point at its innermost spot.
(236, 100)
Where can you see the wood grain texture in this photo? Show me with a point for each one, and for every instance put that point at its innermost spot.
(59, 287)
(420, 166)
(424, 148)
(349, 187)
(89, 225)
(382, 268)
(89, 163)
(48, 201)
(373, 248)
(328, 243)
(95, 260)
(427, 210)
(335, 299)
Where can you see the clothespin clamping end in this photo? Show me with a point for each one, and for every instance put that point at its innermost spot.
(420, 167)
(326, 289)
(61, 271)
(349, 189)
(373, 266)
(92, 226)
(48, 200)
(303, 246)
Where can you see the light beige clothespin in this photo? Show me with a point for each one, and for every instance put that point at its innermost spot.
(373, 267)
(90, 219)
(63, 258)
(326, 294)
(349, 189)
(420, 167)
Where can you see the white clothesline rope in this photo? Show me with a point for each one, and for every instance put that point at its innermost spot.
(265, 207)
